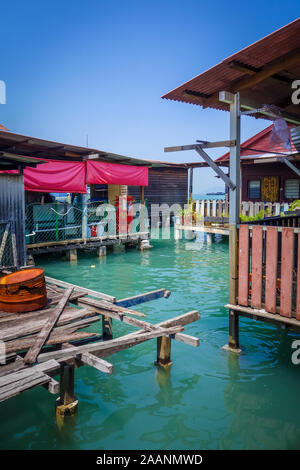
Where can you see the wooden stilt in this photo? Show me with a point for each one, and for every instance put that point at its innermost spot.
(163, 358)
(233, 344)
(101, 251)
(66, 404)
(30, 260)
(72, 255)
(107, 331)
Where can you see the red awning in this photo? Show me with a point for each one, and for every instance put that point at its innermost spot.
(115, 173)
(56, 177)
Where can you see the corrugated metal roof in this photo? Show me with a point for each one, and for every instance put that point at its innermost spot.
(46, 149)
(260, 142)
(253, 58)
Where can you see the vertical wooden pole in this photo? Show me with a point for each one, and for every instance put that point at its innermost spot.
(234, 218)
(84, 217)
(142, 212)
(67, 385)
(191, 183)
(163, 357)
(107, 331)
(66, 404)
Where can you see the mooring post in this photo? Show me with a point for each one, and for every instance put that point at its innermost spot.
(163, 357)
(67, 403)
(107, 329)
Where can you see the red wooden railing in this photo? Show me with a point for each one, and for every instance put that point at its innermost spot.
(268, 269)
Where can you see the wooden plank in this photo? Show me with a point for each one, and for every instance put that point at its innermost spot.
(97, 363)
(52, 386)
(12, 366)
(43, 335)
(23, 328)
(107, 345)
(263, 315)
(271, 269)
(67, 336)
(243, 285)
(141, 298)
(93, 293)
(31, 381)
(108, 307)
(26, 371)
(192, 316)
(256, 277)
(287, 258)
(298, 282)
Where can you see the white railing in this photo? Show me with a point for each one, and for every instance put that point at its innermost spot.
(220, 208)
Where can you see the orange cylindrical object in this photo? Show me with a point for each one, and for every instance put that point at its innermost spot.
(23, 291)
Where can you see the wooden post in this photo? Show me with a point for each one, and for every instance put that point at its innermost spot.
(72, 255)
(101, 251)
(163, 357)
(66, 404)
(84, 217)
(142, 212)
(107, 331)
(191, 183)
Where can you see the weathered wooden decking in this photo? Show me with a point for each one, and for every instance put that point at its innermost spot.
(42, 344)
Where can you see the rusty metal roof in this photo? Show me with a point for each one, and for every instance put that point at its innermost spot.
(276, 90)
(25, 146)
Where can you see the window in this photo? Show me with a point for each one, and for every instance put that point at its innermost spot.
(254, 189)
(291, 189)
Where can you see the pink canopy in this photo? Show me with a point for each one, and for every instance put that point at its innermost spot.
(72, 177)
(56, 177)
(115, 173)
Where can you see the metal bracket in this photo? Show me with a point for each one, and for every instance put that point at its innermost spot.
(289, 164)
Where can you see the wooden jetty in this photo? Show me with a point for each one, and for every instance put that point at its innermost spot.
(42, 344)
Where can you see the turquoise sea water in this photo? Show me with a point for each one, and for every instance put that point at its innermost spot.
(211, 399)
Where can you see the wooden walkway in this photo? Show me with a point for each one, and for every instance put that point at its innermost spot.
(40, 345)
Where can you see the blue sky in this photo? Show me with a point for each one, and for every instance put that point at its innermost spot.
(100, 68)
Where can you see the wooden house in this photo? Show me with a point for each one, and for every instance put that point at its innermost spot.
(265, 176)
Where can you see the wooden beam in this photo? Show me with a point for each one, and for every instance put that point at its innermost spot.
(204, 144)
(243, 68)
(284, 62)
(107, 345)
(97, 362)
(107, 307)
(141, 298)
(245, 104)
(44, 333)
(183, 320)
(93, 293)
(263, 315)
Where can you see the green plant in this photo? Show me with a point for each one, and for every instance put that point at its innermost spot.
(259, 216)
(295, 205)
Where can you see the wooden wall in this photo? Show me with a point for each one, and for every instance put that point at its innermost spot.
(258, 171)
(166, 185)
